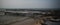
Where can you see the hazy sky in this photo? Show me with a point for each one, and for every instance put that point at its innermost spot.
(29, 3)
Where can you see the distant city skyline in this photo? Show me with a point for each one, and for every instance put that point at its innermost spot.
(29, 4)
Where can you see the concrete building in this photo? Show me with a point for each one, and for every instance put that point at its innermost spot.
(2, 12)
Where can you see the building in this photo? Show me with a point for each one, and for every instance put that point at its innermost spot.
(2, 12)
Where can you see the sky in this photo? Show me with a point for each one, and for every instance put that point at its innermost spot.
(29, 4)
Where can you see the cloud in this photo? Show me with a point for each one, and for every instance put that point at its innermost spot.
(29, 4)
